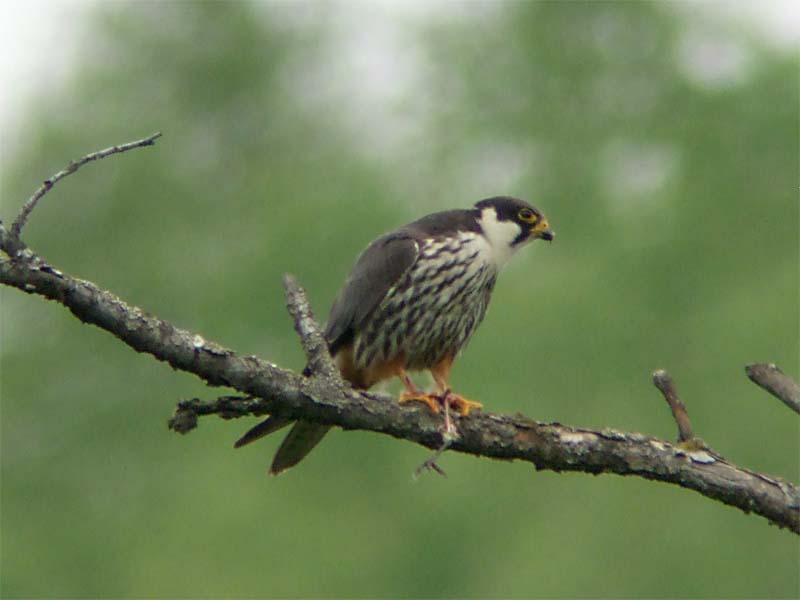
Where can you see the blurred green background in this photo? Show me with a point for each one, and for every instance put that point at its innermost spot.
(661, 142)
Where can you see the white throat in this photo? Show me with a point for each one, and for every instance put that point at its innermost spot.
(499, 235)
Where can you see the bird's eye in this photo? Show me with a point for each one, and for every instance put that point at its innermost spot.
(526, 215)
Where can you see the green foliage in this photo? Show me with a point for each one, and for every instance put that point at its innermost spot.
(675, 204)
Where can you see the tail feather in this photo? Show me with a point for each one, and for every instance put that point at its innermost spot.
(270, 425)
(300, 440)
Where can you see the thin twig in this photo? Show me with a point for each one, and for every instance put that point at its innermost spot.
(664, 383)
(430, 463)
(780, 385)
(314, 344)
(449, 435)
(73, 166)
(227, 407)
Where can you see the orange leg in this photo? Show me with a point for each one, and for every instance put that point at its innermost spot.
(413, 393)
(441, 373)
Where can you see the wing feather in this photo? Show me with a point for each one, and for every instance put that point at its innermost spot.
(379, 267)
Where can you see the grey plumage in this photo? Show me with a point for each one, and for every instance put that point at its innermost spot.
(378, 268)
(300, 440)
(270, 425)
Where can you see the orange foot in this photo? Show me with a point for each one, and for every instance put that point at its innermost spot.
(461, 404)
(432, 400)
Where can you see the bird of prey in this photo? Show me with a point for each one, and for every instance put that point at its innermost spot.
(411, 303)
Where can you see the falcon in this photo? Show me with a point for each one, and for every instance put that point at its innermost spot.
(411, 303)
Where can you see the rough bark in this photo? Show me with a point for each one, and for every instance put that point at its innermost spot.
(773, 380)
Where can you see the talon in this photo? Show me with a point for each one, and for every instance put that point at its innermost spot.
(460, 404)
(431, 400)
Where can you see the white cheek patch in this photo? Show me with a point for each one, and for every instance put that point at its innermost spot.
(499, 234)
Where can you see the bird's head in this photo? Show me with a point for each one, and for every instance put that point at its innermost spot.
(509, 223)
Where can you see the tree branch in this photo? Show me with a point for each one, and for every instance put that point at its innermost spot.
(323, 397)
(772, 379)
(73, 166)
(664, 383)
(316, 349)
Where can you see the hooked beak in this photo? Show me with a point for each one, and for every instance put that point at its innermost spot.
(542, 231)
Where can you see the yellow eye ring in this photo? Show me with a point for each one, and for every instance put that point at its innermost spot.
(526, 215)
